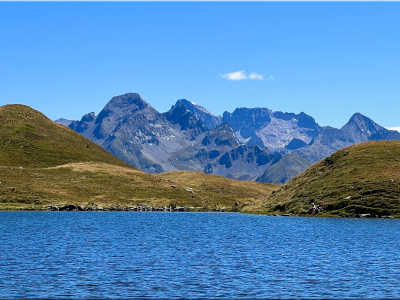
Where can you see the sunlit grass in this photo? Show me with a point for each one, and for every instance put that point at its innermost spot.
(361, 179)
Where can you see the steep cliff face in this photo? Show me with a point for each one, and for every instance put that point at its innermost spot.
(272, 130)
(182, 116)
(210, 121)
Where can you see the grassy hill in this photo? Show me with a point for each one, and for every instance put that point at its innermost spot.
(29, 139)
(43, 163)
(361, 179)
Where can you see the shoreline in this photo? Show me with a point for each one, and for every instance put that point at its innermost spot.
(188, 210)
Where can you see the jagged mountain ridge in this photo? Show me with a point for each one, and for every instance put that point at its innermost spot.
(357, 130)
(273, 130)
(175, 140)
(180, 139)
(300, 134)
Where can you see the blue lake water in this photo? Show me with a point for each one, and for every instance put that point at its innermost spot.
(196, 255)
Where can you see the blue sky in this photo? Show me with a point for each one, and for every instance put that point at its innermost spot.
(329, 60)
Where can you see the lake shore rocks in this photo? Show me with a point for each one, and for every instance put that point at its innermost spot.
(147, 208)
(95, 207)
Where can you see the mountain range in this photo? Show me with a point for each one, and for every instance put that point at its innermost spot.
(254, 144)
(47, 166)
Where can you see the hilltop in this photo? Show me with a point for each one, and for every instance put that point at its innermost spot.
(361, 179)
(30, 139)
(43, 163)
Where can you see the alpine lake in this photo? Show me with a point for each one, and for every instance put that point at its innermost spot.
(172, 255)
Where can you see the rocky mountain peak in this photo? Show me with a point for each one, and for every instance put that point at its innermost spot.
(182, 116)
(119, 110)
(210, 121)
(307, 121)
(249, 117)
(359, 120)
(121, 106)
(124, 105)
(127, 100)
(361, 128)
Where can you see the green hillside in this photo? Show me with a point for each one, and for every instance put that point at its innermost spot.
(361, 179)
(43, 163)
(29, 139)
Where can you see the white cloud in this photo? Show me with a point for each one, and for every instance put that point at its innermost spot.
(256, 76)
(239, 75)
(394, 128)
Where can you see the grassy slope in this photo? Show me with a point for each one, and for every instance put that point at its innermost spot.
(29, 139)
(43, 163)
(369, 173)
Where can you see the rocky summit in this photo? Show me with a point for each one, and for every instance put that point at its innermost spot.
(247, 144)
(210, 121)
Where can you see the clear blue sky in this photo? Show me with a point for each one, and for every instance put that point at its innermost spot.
(329, 60)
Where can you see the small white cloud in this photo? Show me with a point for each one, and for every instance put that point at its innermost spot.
(256, 76)
(394, 128)
(239, 75)
(272, 78)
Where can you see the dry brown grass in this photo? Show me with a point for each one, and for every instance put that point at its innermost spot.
(108, 185)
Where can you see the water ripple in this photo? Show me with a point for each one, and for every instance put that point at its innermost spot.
(195, 255)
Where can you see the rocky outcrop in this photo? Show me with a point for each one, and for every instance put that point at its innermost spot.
(188, 121)
(210, 121)
(272, 130)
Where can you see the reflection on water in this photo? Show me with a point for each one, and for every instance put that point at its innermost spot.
(196, 255)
